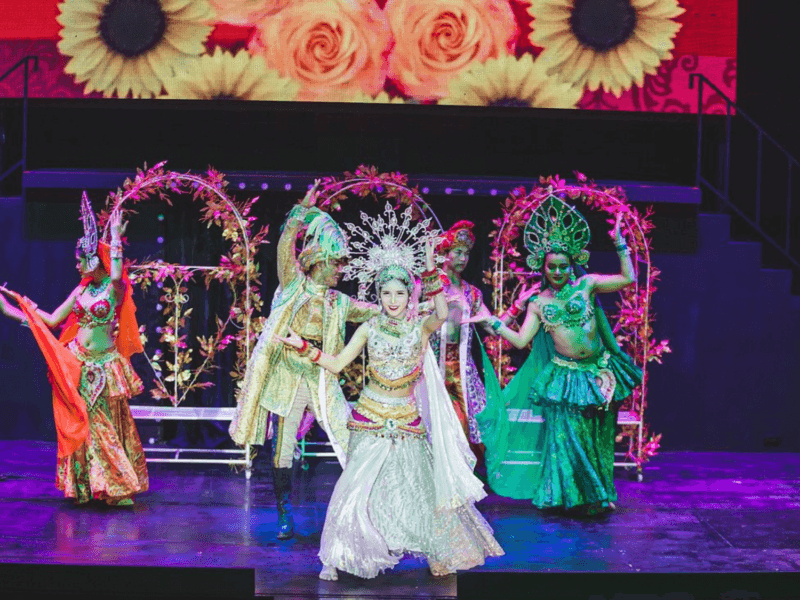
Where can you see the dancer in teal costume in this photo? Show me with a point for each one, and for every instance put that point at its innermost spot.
(575, 376)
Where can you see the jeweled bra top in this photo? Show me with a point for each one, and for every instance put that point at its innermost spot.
(395, 351)
(576, 312)
(100, 313)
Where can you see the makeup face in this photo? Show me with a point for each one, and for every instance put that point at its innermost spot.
(456, 259)
(557, 269)
(327, 272)
(394, 298)
(82, 265)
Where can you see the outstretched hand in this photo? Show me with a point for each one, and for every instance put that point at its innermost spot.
(293, 340)
(311, 196)
(617, 231)
(430, 261)
(527, 292)
(482, 316)
(118, 228)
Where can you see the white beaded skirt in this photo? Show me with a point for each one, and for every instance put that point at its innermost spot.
(384, 506)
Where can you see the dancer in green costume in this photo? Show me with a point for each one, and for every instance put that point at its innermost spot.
(575, 377)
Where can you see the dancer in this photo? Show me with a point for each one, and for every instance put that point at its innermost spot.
(452, 345)
(280, 382)
(576, 373)
(407, 485)
(100, 455)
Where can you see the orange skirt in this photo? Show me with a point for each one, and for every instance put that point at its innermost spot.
(110, 465)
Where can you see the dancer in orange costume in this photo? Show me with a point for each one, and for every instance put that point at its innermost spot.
(100, 455)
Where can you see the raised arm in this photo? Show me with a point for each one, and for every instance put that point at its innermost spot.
(431, 282)
(614, 283)
(334, 364)
(117, 231)
(288, 268)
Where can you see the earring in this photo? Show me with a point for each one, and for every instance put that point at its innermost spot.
(572, 277)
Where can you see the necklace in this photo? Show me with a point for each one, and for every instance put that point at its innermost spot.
(95, 290)
(393, 327)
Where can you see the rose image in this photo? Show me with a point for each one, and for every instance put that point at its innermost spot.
(245, 12)
(434, 40)
(332, 48)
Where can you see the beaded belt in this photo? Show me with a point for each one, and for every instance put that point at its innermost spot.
(387, 417)
(391, 385)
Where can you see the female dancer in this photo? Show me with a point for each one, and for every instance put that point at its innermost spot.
(407, 485)
(581, 376)
(91, 372)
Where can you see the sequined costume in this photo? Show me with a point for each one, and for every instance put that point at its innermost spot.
(275, 376)
(461, 376)
(408, 485)
(105, 461)
(568, 462)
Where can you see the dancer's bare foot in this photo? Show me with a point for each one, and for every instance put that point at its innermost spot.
(329, 573)
(438, 570)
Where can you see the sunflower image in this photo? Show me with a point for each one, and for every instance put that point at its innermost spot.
(131, 46)
(510, 81)
(223, 76)
(608, 43)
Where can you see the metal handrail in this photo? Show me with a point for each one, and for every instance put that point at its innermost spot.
(22, 62)
(724, 193)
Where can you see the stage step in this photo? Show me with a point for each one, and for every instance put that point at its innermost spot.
(777, 282)
(713, 230)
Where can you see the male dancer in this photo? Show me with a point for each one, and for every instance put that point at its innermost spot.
(285, 383)
(454, 342)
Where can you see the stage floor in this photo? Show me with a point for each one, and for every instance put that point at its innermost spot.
(694, 512)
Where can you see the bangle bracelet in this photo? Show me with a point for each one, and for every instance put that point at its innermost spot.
(496, 325)
(514, 310)
(303, 350)
(315, 358)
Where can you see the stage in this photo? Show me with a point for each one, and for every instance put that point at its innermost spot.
(694, 512)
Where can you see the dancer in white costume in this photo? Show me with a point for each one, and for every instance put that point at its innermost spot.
(407, 486)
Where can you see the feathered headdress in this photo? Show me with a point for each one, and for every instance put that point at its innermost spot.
(555, 226)
(387, 245)
(324, 240)
(88, 243)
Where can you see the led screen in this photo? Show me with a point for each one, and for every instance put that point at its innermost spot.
(632, 55)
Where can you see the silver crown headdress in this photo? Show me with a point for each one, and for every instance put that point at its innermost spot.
(555, 226)
(88, 243)
(387, 244)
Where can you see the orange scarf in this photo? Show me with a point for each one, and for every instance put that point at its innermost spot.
(69, 409)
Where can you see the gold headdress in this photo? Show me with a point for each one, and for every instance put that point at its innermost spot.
(555, 226)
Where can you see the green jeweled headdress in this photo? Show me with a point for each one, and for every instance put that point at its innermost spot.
(555, 226)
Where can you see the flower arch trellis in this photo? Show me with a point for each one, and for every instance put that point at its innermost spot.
(237, 269)
(633, 327)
